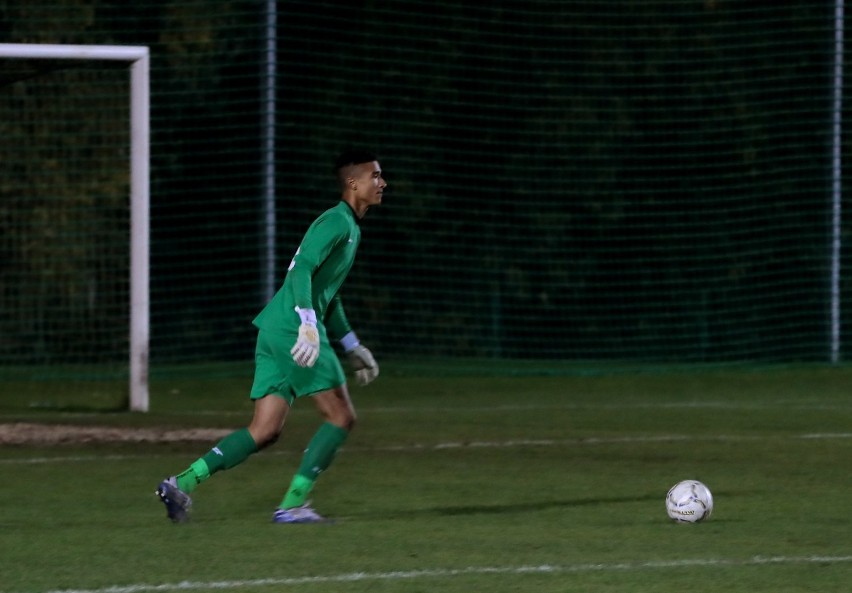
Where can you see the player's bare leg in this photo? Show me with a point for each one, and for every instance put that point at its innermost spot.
(270, 412)
(336, 407)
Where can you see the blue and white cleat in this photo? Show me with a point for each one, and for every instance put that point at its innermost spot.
(302, 514)
(176, 500)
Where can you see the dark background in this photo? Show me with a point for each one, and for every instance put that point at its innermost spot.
(573, 180)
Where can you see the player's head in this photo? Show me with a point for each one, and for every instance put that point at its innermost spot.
(348, 160)
(354, 157)
(360, 177)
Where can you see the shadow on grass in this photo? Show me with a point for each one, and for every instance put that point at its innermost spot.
(531, 507)
(512, 508)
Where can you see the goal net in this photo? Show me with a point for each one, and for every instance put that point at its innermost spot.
(73, 225)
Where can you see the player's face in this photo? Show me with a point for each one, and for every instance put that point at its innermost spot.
(369, 184)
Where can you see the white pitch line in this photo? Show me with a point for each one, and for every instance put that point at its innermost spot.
(458, 445)
(74, 459)
(461, 572)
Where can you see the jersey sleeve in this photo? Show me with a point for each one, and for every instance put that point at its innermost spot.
(326, 233)
(335, 319)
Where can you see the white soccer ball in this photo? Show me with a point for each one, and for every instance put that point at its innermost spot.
(689, 501)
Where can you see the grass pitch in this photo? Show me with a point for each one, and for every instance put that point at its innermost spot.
(458, 484)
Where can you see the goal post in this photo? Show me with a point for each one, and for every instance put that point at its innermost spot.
(137, 57)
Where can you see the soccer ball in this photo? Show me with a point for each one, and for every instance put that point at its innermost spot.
(689, 501)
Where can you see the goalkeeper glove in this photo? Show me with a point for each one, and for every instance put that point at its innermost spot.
(306, 350)
(360, 358)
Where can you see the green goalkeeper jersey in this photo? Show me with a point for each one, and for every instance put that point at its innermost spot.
(315, 275)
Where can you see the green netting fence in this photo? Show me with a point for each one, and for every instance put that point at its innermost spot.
(651, 181)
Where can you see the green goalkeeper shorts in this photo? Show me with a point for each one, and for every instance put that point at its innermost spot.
(275, 372)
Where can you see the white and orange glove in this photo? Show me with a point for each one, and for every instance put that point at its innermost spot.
(360, 358)
(306, 350)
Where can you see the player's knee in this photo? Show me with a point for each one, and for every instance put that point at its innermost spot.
(349, 420)
(271, 438)
(264, 435)
(344, 419)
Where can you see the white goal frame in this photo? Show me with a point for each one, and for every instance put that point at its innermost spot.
(138, 59)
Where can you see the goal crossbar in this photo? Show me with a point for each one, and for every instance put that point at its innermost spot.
(138, 59)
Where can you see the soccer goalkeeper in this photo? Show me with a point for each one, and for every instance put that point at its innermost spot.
(294, 357)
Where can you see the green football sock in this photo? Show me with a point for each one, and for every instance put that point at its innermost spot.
(318, 456)
(229, 452)
(298, 492)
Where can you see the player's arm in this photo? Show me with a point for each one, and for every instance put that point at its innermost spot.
(335, 319)
(319, 241)
(360, 358)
